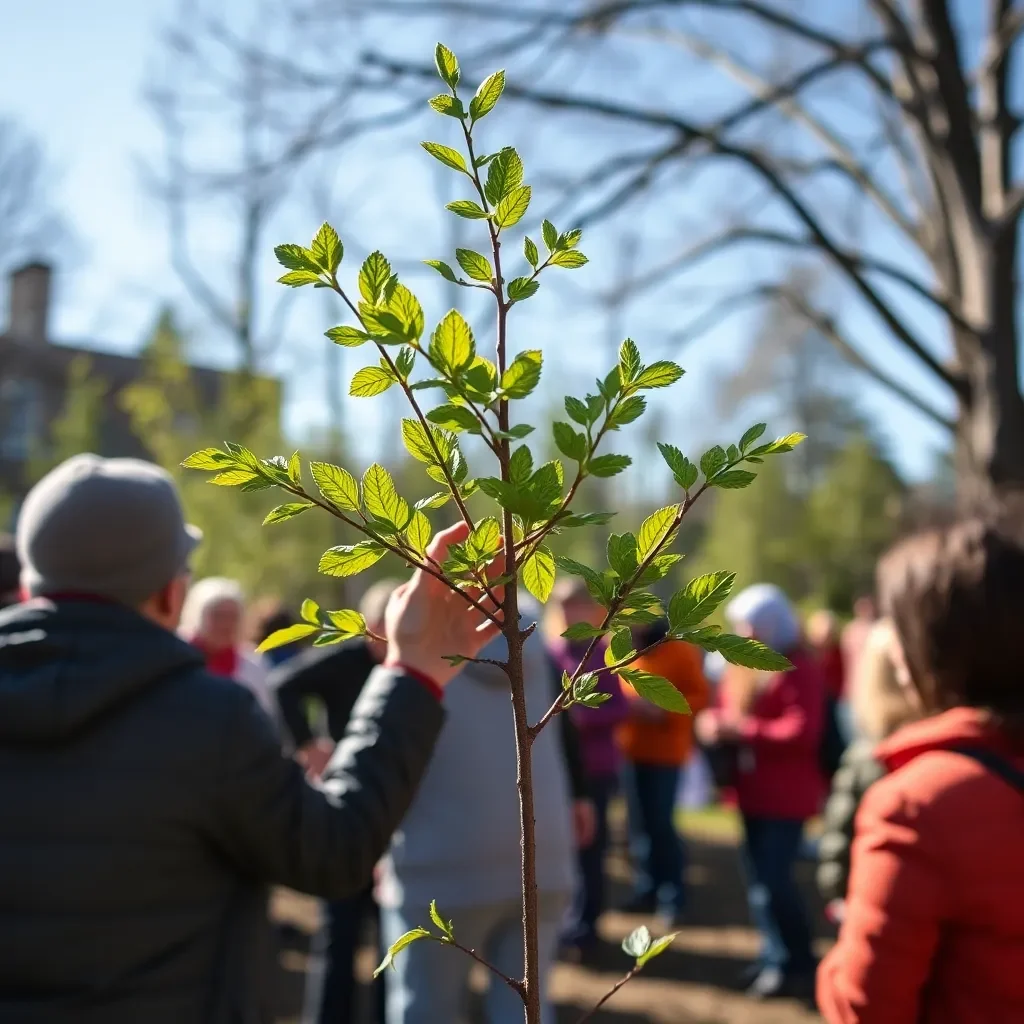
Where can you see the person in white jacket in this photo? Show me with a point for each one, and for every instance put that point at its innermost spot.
(212, 619)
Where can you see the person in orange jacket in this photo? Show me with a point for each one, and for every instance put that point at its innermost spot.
(656, 744)
(934, 920)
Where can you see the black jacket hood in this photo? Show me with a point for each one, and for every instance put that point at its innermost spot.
(64, 665)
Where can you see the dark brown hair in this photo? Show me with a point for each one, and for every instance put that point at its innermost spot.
(956, 597)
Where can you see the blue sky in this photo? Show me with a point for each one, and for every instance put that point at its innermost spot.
(73, 74)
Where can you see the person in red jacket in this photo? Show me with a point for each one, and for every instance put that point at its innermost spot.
(775, 722)
(934, 924)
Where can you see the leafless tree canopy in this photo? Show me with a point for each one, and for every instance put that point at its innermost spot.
(874, 137)
(30, 228)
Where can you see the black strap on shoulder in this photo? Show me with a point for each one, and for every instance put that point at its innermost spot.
(997, 765)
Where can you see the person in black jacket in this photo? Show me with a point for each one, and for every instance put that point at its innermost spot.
(146, 804)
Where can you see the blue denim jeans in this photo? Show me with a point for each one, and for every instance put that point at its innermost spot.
(770, 855)
(588, 902)
(657, 850)
(330, 996)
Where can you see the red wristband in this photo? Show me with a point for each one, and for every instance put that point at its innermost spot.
(421, 677)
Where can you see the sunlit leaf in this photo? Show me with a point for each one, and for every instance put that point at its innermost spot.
(419, 533)
(657, 690)
(468, 209)
(452, 347)
(700, 598)
(296, 257)
(539, 574)
(382, 500)
(629, 361)
(373, 276)
(530, 252)
(741, 650)
(570, 259)
(289, 510)
(326, 248)
(409, 937)
(208, 458)
(447, 65)
(504, 175)
(661, 374)
(288, 635)
(658, 946)
(347, 621)
(523, 374)
(448, 105)
(449, 157)
(487, 95)
(654, 529)
(520, 288)
(476, 266)
(297, 278)
(550, 234)
(350, 559)
(443, 269)
(370, 381)
(337, 485)
(513, 207)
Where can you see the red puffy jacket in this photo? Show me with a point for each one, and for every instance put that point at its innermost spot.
(934, 926)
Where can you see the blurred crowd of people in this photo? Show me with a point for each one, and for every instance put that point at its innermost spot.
(901, 727)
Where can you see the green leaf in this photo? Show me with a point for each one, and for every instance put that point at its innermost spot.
(487, 95)
(435, 500)
(234, 478)
(452, 347)
(347, 621)
(539, 574)
(373, 276)
(742, 650)
(699, 599)
(297, 278)
(326, 248)
(337, 485)
(599, 586)
(406, 307)
(608, 465)
(468, 209)
(513, 207)
(684, 471)
(657, 948)
(570, 442)
(443, 269)
(621, 647)
(657, 569)
(523, 375)
(381, 498)
(611, 385)
(447, 67)
(515, 433)
(661, 374)
(449, 157)
(784, 444)
(504, 175)
(622, 551)
(654, 529)
(627, 411)
(570, 239)
(454, 417)
(310, 611)
(629, 361)
(296, 257)
(583, 631)
(637, 942)
(520, 465)
(550, 233)
(350, 337)
(530, 252)
(734, 479)
(350, 559)
(657, 690)
(421, 446)
(415, 934)
(575, 519)
(476, 266)
(208, 458)
(445, 927)
(371, 381)
(751, 435)
(449, 105)
(288, 635)
(289, 510)
(570, 259)
(485, 540)
(520, 288)
(578, 411)
(419, 533)
(404, 362)
(713, 460)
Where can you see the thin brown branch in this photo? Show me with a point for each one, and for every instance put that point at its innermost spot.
(515, 985)
(589, 1015)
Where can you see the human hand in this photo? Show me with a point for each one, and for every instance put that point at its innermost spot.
(315, 756)
(584, 823)
(426, 619)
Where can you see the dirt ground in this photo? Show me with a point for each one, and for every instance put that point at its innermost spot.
(695, 982)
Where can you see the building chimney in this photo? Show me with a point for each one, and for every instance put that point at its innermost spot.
(29, 307)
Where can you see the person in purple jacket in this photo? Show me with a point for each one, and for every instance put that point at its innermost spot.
(600, 756)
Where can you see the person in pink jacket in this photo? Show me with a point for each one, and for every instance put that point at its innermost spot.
(774, 723)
